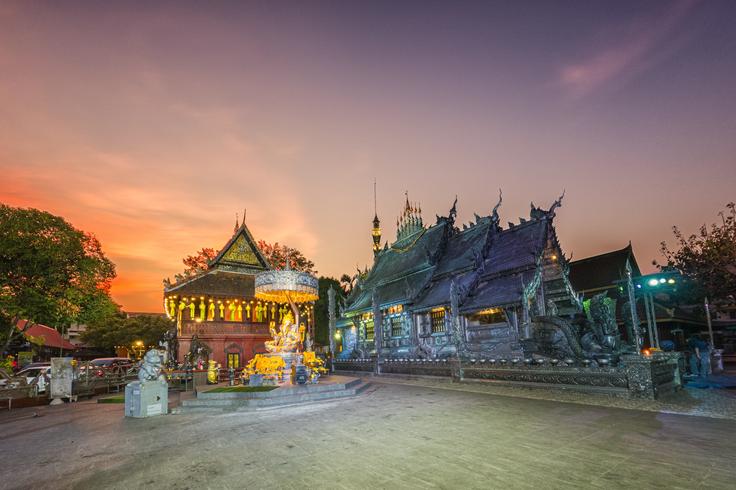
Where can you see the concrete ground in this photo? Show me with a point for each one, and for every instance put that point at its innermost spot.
(392, 436)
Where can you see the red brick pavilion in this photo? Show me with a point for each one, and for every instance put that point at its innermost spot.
(219, 307)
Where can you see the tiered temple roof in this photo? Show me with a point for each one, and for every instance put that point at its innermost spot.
(230, 273)
(490, 265)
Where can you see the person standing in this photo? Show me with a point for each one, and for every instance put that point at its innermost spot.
(693, 346)
(704, 354)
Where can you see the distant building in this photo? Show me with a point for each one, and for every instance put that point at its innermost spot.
(603, 273)
(607, 273)
(46, 341)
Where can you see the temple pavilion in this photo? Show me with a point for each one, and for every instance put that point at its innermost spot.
(218, 306)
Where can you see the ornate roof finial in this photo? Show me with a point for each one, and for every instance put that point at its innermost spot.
(236, 223)
(556, 204)
(245, 210)
(453, 210)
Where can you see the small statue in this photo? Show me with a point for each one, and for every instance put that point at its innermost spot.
(212, 370)
(287, 338)
(151, 368)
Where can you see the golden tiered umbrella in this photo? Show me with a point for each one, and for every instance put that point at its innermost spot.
(287, 286)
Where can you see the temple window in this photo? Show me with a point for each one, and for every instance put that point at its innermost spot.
(437, 317)
(233, 360)
(369, 330)
(396, 326)
(488, 316)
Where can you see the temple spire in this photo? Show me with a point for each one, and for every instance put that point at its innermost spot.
(410, 221)
(376, 232)
(236, 223)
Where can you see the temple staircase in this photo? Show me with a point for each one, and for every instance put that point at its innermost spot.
(332, 388)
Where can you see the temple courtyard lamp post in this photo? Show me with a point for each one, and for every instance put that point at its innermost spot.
(649, 285)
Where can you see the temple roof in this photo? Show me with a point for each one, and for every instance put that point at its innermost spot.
(602, 271)
(231, 272)
(419, 269)
(498, 291)
(517, 247)
(241, 251)
(217, 283)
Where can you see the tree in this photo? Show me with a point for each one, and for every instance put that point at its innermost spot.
(321, 309)
(347, 283)
(707, 259)
(198, 262)
(119, 330)
(50, 272)
(276, 255)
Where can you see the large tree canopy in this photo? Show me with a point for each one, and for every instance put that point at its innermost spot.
(125, 331)
(276, 255)
(707, 258)
(50, 272)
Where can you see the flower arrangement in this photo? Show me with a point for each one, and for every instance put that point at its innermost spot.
(315, 365)
(270, 366)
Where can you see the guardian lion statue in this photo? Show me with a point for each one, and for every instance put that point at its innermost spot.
(151, 368)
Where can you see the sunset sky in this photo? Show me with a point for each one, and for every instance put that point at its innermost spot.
(151, 124)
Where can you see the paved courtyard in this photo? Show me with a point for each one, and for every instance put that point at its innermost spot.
(392, 436)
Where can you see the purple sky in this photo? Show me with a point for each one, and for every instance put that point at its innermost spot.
(152, 125)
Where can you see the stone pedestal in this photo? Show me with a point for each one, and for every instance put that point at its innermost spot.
(290, 359)
(146, 399)
(649, 376)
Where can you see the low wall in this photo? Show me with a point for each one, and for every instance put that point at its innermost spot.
(634, 377)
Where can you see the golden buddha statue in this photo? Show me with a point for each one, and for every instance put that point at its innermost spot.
(287, 338)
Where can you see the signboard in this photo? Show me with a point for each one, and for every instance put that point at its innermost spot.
(62, 374)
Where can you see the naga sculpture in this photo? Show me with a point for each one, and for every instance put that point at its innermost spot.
(579, 336)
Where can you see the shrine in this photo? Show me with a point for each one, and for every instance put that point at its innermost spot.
(218, 308)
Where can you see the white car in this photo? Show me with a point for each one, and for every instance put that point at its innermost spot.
(41, 373)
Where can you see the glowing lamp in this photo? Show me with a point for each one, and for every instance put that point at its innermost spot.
(653, 282)
(662, 281)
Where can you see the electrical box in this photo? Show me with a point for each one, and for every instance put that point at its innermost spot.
(146, 399)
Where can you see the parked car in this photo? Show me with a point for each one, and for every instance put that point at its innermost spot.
(36, 364)
(39, 373)
(103, 365)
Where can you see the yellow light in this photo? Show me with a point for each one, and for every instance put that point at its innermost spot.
(489, 311)
(435, 310)
(671, 281)
(553, 257)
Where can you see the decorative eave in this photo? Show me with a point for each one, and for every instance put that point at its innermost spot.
(243, 231)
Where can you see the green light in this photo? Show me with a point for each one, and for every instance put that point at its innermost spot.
(653, 282)
(671, 281)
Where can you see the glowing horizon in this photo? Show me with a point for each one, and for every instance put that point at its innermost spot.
(152, 125)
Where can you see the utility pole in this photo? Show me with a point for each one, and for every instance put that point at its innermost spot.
(710, 325)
